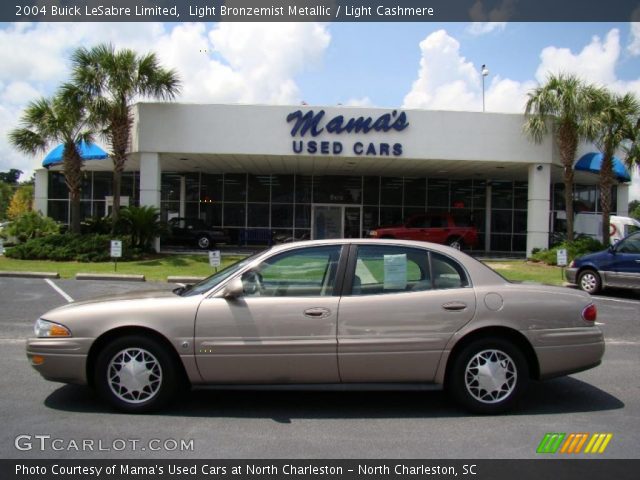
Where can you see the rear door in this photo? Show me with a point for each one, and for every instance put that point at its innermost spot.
(400, 307)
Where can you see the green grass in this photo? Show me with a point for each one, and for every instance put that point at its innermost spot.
(155, 269)
(521, 270)
(159, 268)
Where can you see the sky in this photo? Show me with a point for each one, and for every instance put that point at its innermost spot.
(399, 65)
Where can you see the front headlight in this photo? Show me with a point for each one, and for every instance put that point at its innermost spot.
(373, 233)
(44, 328)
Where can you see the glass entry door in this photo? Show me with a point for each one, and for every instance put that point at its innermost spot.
(336, 221)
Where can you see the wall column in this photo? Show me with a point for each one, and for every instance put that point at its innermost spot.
(41, 191)
(623, 200)
(538, 206)
(150, 171)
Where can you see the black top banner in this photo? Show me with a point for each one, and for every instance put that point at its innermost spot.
(319, 10)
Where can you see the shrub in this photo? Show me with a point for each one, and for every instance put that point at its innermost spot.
(96, 225)
(141, 224)
(21, 202)
(579, 247)
(69, 247)
(31, 225)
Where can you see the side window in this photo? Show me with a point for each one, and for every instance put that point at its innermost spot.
(308, 272)
(447, 273)
(630, 245)
(390, 269)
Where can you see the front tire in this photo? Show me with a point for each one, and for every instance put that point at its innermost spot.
(488, 376)
(204, 242)
(456, 243)
(590, 282)
(136, 374)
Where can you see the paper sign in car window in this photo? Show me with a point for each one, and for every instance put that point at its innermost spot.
(395, 272)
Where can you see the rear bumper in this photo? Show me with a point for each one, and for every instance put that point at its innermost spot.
(570, 350)
(60, 360)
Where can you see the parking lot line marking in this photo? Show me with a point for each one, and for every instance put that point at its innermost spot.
(59, 290)
(609, 299)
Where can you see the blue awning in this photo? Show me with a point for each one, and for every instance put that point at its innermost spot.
(88, 151)
(591, 162)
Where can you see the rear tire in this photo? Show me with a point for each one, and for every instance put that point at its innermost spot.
(488, 376)
(589, 281)
(136, 374)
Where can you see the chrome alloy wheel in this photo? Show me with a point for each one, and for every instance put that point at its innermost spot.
(589, 282)
(134, 375)
(490, 376)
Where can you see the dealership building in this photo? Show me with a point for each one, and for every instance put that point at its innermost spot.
(324, 172)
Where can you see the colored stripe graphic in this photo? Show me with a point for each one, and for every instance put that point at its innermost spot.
(550, 442)
(574, 443)
(598, 443)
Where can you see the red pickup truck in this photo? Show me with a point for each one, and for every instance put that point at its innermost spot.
(437, 228)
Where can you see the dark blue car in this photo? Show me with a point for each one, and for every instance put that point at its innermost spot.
(618, 266)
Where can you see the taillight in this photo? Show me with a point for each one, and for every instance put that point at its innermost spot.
(590, 313)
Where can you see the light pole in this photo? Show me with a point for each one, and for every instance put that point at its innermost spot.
(485, 72)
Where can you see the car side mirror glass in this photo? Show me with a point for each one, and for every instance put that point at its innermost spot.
(234, 288)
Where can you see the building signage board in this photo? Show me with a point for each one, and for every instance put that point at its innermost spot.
(561, 257)
(116, 248)
(312, 124)
(214, 258)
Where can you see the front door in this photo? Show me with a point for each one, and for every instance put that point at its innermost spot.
(336, 221)
(282, 330)
(625, 264)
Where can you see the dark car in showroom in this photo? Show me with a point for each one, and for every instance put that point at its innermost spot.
(618, 266)
(194, 232)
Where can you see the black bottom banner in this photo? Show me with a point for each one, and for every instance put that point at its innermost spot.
(330, 469)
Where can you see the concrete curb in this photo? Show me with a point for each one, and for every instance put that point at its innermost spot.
(30, 274)
(179, 279)
(110, 276)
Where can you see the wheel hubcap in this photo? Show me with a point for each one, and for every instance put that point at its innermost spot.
(203, 242)
(490, 376)
(134, 375)
(588, 282)
(455, 244)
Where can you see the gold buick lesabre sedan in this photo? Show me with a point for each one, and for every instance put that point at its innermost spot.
(360, 313)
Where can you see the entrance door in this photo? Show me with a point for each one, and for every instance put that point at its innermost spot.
(336, 221)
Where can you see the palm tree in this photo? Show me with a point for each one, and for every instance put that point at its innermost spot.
(619, 121)
(111, 82)
(46, 122)
(565, 103)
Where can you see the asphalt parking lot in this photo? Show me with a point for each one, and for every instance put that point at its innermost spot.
(273, 424)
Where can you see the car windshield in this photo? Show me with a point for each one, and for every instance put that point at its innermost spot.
(215, 279)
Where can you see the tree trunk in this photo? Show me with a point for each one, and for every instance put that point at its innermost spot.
(568, 144)
(120, 130)
(74, 224)
(72, 169)
(606, 182)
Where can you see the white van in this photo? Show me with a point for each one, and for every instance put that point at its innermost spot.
(591, 224)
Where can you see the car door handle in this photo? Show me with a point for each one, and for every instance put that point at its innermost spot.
(454, 306)
(317, 312)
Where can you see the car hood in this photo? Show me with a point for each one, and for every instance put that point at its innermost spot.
(590, 257)
(148, 294)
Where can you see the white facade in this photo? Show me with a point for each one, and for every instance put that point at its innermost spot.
(258, 139)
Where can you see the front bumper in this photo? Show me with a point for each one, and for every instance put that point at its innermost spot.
(568, 350)
(570, 274)
(60, 359)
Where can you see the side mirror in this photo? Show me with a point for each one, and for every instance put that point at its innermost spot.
(234, 289)
(612, 248)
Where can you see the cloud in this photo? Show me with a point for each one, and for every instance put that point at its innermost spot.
(448, 81)
(482, 28)
(228, 63)
(359, 102)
